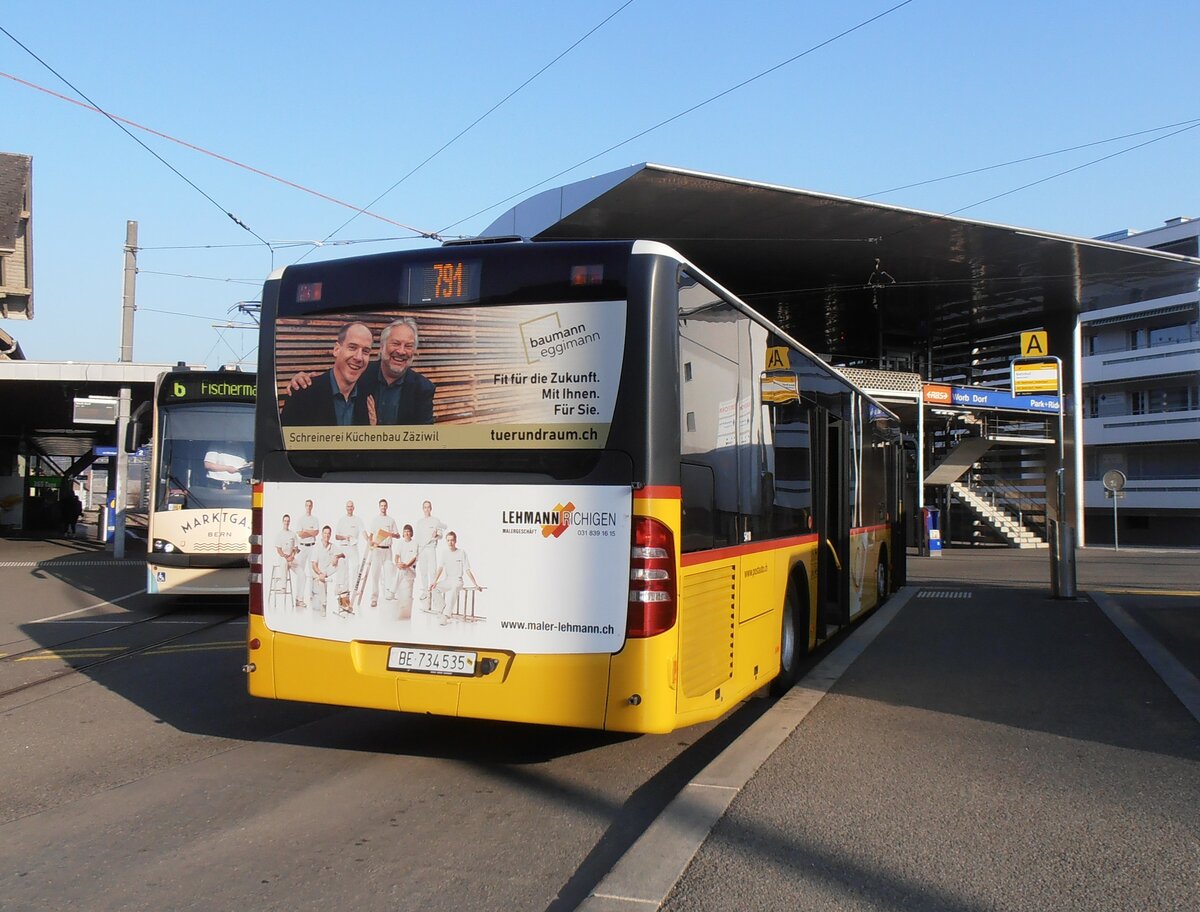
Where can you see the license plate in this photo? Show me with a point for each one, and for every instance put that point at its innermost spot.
(431, 661)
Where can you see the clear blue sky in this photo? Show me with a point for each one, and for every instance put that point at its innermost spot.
(346, 98)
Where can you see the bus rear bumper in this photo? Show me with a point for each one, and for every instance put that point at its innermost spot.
(162, 580)
(567, 690)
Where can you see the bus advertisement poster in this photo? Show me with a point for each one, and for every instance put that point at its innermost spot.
(522, 567)
(511, 376)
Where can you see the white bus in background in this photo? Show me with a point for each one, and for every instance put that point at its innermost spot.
(201, 431)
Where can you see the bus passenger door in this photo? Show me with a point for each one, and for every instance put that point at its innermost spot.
(833, 553)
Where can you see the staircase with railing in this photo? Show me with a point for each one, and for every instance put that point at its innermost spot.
(994, 470)
(1000, 498)
(1000, 519)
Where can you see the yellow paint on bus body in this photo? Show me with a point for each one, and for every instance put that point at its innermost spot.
(724, 647)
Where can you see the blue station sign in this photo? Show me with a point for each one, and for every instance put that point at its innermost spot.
(977, 397)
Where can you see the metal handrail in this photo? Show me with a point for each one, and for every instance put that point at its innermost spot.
(1029, 511)
(995, 425)
(1016, 501)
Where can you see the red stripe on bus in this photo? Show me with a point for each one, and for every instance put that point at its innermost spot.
(667, 492)
(703, 557)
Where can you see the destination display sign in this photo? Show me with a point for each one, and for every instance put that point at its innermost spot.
(95, 410)
(232, 387)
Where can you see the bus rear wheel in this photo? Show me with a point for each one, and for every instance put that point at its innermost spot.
(882, 578)
(793, 640)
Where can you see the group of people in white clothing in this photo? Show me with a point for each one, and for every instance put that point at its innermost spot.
(338, 568)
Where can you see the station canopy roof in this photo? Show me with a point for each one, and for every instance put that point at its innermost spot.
(39, 397)
(851, 279)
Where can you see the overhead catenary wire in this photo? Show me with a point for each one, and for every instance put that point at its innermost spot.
(217, 155)
(281, 245)
(1193, 125)
(1028, 158)
(203, 278)
(476, 122)
(237, 221)
(1183, 127)
(239, 306)
(241, 357)
(175, 313)
(1189, 125)
(685, 112)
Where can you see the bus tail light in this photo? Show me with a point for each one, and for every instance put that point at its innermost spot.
(652, 605)
(256, 550)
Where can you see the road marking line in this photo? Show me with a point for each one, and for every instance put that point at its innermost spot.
(185, 623)
(95, 652)
(51, 563)
(70, 654)
(79, 650)
(1182, 682)
(100, 620)
(198, 647)
(119, 598)
(120, 622)
(1187, 593)
(632, 899)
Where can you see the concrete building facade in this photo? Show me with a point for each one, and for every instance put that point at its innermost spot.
(1141, 400)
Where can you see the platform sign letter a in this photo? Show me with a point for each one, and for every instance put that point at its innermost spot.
(1034, 343)
(777, 358)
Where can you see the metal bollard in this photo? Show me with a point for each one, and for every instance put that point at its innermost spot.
(1062, 560)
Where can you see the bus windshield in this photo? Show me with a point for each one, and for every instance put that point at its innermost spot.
(205, 454)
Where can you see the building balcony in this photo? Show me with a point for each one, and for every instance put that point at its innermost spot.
(1172, 494)
(1138, 310)
(1159, 427)
(1110, 367)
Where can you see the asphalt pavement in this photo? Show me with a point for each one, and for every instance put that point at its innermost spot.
(975, 745)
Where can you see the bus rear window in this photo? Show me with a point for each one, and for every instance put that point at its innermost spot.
(511, 377)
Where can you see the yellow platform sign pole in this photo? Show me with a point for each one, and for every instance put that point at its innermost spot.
(1043, 374)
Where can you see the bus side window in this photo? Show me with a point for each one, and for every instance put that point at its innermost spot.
(792, 453)
(699, 517)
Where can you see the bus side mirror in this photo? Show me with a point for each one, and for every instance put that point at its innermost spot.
(137, 431)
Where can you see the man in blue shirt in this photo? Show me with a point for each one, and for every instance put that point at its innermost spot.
(335, 397)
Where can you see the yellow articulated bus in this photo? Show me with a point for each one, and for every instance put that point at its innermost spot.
(565, 483)
(202, 445)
